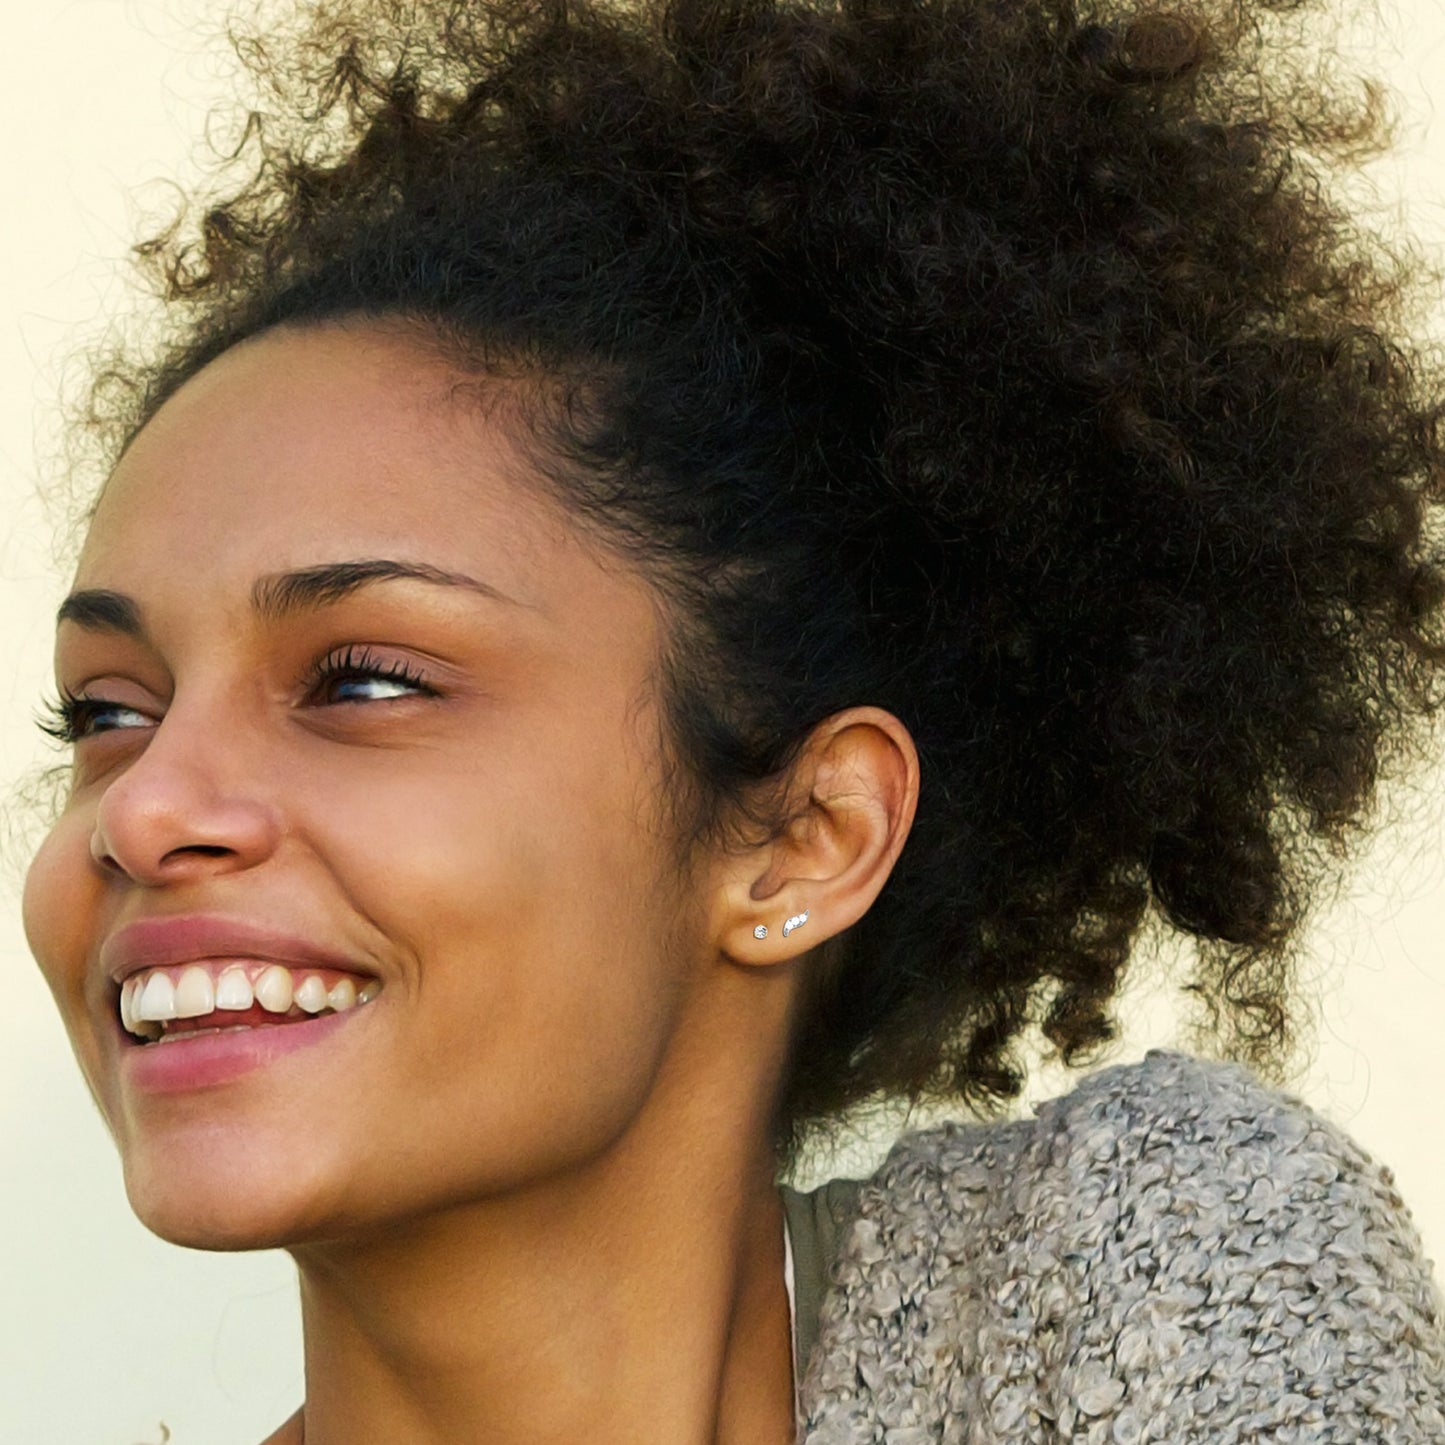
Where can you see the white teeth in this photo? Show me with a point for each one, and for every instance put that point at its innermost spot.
(195, 993)
(311, 994)
(127, 1004)
(233, 989)
(274, 989)
(152, 998)
(158, 1002)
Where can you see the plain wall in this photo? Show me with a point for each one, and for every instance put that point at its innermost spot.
(105, 1332)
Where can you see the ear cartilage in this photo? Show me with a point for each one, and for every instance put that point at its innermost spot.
(761, 931)
(796, 921)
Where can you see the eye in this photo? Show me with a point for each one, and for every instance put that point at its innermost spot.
(356, 674)
(69, 718)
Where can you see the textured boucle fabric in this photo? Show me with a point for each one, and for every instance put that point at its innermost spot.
(1171, 1252)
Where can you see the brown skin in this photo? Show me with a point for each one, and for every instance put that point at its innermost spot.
(528, 1188)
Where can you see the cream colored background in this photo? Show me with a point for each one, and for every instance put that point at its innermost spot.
(104, 1331)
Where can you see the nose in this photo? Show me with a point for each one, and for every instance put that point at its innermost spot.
(192, 804)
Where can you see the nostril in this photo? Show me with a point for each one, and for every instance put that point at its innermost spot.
(104, 859)
(194, 852)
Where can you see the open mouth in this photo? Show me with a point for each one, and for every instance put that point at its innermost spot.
(211, 996)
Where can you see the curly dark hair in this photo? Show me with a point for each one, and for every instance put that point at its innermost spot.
(1007, 364)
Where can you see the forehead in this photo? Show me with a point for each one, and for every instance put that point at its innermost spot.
(306, 445)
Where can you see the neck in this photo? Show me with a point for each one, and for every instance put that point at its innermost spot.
(640, 1296)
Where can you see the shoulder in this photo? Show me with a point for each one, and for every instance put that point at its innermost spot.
(1171, 1246)
(1156, 1136)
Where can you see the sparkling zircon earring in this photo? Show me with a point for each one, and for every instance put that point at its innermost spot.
(761, 931)
(796, 921)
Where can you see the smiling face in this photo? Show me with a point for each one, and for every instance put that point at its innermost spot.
(349, 688)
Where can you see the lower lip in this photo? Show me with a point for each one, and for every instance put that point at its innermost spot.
(210, 1059)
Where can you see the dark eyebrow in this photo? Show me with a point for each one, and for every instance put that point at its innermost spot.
(101, 610)
(286, 592)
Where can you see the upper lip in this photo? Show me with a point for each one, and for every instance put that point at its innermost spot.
(188, 938)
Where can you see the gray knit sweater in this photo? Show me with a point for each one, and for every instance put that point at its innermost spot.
(1172, 1252)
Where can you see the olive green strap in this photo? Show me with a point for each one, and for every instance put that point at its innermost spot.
(816, 1222)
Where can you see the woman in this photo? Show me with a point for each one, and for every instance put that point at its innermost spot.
(681, 568)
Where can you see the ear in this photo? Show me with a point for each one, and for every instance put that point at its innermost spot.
(852, 794)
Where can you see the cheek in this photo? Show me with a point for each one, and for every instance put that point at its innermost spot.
(526, 836)
(520, 903)
(540, 975)
(58, 910)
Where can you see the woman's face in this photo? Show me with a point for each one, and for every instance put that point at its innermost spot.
(442, 788)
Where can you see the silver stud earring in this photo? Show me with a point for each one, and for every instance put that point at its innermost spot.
(761, 931)
(796, 921)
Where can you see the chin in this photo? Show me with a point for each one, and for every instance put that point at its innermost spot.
(218, 1225)
(231, 1201)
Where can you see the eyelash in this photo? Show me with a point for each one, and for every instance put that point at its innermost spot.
(359, 661)
(66, 717)
(69, 718)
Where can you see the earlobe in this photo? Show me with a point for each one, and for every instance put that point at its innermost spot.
(796, 921)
